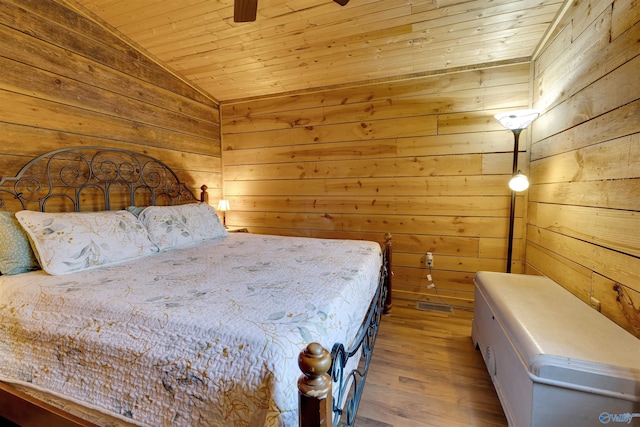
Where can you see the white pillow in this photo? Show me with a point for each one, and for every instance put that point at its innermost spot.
(68, 242)
(183, 225)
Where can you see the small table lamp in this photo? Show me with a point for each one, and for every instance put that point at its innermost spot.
(223, 206)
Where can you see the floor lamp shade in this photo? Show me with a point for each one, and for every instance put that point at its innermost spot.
(519, 182)
(519, 119)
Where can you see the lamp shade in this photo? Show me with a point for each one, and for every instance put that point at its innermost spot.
(519, 119)
(223, 205)
(519, 182)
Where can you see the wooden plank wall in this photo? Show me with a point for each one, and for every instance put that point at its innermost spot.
(69, 81)
(423, 159)
(584, 222)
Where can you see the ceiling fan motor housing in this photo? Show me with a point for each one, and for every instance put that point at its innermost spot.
(246, 10)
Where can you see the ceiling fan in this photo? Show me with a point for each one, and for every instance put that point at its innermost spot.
(245, 10)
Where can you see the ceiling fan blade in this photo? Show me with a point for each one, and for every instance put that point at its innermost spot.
(341, 2)
(245, 10)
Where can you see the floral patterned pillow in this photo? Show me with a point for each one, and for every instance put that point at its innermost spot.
(184, 225)
(69, 242)
(16, 255)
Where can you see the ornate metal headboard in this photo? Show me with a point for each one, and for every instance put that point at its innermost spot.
(93, 178)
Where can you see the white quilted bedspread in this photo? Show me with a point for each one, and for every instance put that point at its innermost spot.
(202, 336)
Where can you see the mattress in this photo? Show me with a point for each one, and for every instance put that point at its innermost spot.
(560, 340)
(204, 335)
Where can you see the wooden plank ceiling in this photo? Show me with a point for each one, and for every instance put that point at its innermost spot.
(297, 45)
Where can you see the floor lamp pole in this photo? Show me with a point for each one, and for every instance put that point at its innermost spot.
(512, 212)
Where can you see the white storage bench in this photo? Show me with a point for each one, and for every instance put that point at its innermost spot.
(553, 360)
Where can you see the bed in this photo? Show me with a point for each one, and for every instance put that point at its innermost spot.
(133, 305)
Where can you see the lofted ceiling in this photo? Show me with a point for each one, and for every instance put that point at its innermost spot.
(296, 45)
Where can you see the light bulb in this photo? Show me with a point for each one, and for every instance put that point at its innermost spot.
(519, 182)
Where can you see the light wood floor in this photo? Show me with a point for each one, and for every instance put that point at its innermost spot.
(426, 371)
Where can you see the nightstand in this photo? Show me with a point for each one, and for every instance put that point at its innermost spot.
(237, 229)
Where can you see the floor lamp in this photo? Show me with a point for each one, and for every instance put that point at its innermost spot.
(515, 121)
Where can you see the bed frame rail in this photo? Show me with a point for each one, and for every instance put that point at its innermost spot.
(320, 369)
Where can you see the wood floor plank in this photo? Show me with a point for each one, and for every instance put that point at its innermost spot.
(426, 371)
